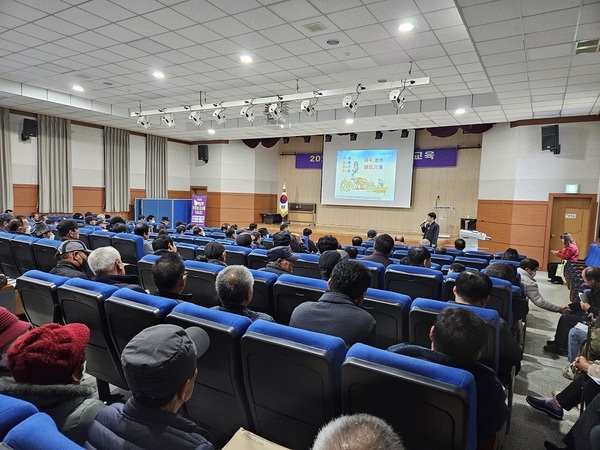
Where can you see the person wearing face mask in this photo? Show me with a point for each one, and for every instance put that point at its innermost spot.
(72, 260)
(47, 365)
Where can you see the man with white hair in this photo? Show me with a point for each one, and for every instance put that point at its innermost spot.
(108, 268)
(357, 432)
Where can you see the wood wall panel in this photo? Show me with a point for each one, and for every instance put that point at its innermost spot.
(241, 209)
(88, 199)
(26, 199)
(185, 195)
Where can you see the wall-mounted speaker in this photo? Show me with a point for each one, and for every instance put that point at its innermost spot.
(30, 129)
(203, 153)
(404, 134)
(327, 138)
(550, 139)
(353, 136)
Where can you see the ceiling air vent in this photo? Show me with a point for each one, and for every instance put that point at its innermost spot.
(587, 46)
(316, 27)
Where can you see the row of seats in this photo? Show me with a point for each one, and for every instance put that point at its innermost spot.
(22, 427)
(573, 269)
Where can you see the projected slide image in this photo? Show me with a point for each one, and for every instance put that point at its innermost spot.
(365, 174)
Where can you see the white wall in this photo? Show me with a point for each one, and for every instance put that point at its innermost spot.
(513, 166)
(23, 154)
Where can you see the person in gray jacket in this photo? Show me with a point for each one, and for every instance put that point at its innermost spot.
(47, 366)
(527, 270)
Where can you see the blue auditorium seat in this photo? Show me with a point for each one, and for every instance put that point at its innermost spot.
(262, 298)
(39, 295)
(414, 281)
(291, 290)
(38, 432)
(390, 311)
(200, 282)
(101, 239)
(236, 255)
(472, 263)
(257, 259)
(145, 272)
(12, 412)
(8, 264)
(45, 253)
(22, 248)
(131, 248)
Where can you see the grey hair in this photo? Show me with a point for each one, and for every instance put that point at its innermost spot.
(357, 432)
(103, 259)
(233, 285)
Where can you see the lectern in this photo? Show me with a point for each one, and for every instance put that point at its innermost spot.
(472, 238)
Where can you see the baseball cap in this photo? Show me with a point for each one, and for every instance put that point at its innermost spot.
(11, 327)
(159, 359)
(49, 354)
(164, 218)
(64, 226)
(72, 245)
(284, 252)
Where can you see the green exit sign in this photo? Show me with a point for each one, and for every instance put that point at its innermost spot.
(571, 189)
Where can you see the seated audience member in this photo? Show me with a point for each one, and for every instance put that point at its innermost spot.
(72, 260)
(141, 218)
(67, 229)
(527, 269)
(578, 311)
(357, 432)
(143, 230)
(9, 211)
(34, 216)
(106, 264)
(371, 235)
(10, 329)
(165, 221)
(297, 244)
(235, 287)
(101, 221)
(214, 253)
(384, 245)
(19, 225)
(338, 312)
(198, 231)
(456, 267)
(280, 260)
(41, 230)
(352, 252)
(329, 259)
(180, 229)
(264, 233)
(252, 226)
(244, 240)
(585, 434)
(120, 227)
(230, 233)
(440, 250)
(257, 240)
(510, 254)
(90, 221)
(113, 222)
(169, 276)
(418, 256)
(160, 366)
(327, 242)
(5, 219)
(460, 244)
(474, 288)
(282, 239)
(357, 241)
(284, 227)
(179, 223)
(151, 219)
(424, 243)
(504, 271)
(399, 238)
(47, 366)
(582, 387)
(163, 243)
(224, 227)
(77, 216)
(161, 230)
(312, 247)
(457, 338)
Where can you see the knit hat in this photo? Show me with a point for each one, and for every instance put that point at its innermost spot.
(159, 359)
(64, 226)
(10, 327)
(39, 229)
(49, 354)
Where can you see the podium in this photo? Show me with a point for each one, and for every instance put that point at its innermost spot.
(472, 238)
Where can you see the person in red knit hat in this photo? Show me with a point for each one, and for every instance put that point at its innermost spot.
(10, 329)
(47, 365)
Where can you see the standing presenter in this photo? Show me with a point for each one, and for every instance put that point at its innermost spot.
(431, 229)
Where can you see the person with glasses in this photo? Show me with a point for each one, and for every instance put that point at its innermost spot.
(72, 260)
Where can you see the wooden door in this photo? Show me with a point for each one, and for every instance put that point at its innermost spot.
(198, 190)
(575, 214)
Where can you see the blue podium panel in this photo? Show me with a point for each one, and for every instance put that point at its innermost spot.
(174, 209)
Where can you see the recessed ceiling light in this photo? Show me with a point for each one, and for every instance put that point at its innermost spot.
(405, 27)
(459, 111)
(158, 74)
(333, 41)
(382, 80)
(107, 83)
(349, 121)
(246, 59)
(78, 88)
(211, 131)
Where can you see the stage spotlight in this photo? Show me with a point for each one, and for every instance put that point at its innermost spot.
(275, 111)
(144, 121)
(219, 115)
(353, 136)
(286, 140)
(247, 113)
(327, 138)
(350, 105)
(404, 134)
(378, 134)
(397, 99)
(307, 108)
(195, 117)
(306, 139)
(168, 120)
